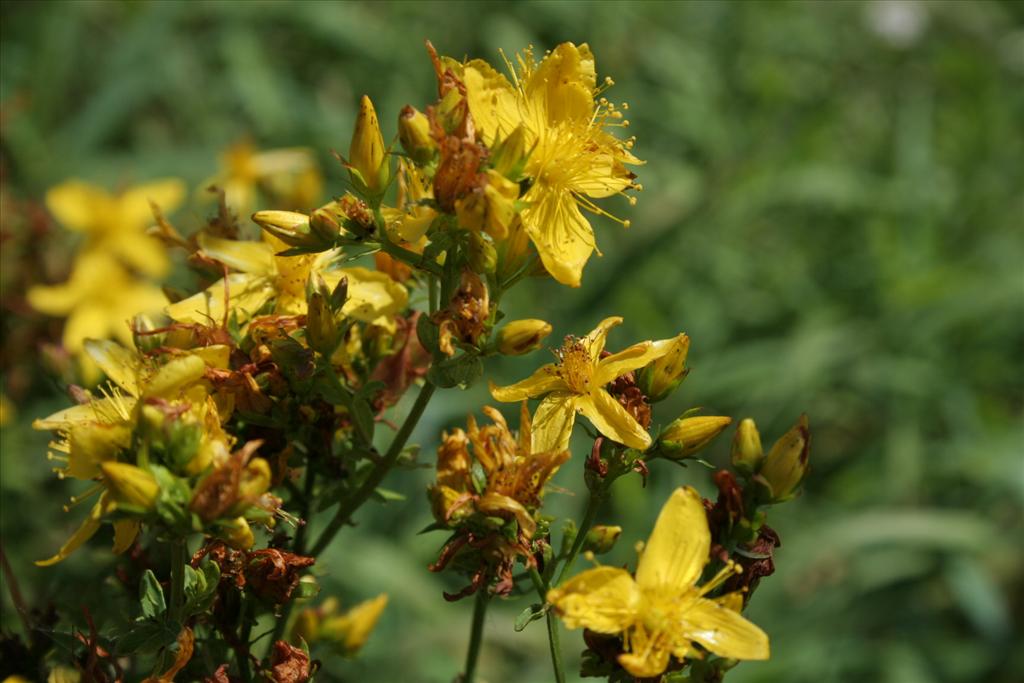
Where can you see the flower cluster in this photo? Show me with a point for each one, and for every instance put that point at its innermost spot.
(233, 414)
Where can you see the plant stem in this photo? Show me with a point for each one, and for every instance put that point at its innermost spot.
(244, 636)
(554, 640)
(16, 596)
(581, 535)
(298, 547)
(380, 470)
(179, 553)
(476, 634)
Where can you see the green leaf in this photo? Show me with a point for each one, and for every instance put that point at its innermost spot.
(387, 495)
(461, 370)
(427, 333)
(151, 596)
(532, 613)
(148, 636)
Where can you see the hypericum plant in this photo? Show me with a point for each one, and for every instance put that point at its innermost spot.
(241, 411)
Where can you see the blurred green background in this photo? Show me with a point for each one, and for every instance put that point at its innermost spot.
(833, 211)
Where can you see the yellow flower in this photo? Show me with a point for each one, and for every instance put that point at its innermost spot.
(93, 434)
(573, 159)
(98, 300)
(349, 631)
(290, 174)
(116, 224)
(575, 384)
(662, 612)
(264, 276)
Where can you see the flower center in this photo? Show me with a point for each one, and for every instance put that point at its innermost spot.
(576, 365)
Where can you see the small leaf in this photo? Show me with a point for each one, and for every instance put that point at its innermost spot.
(148, 636)
(532, 613)
(151, 596)
(387, 495)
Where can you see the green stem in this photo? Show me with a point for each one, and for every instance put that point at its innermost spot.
(380, 470)
(179, 554)
(244, 636)
(298, 547)
(554, 639)
(581, 536)
(476, 634)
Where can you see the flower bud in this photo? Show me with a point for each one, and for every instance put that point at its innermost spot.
(414, 134)
(687, 435)
(601, 538)
(508, 157)
(482, 255)
(321, 326)
(522, 336)
(746, 448)
(367, 161)
(255, 480)
(237, 533)
(663, 375)
(785, 465)
(288, 226)
(130, 485)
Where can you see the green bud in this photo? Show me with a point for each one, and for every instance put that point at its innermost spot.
(746, 448)
(786, 464)
(508, 157)
(601, 538)
(688, 435)
(482, 255)
(321, 326)
(130, 485)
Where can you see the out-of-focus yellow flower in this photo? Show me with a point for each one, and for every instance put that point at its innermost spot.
(115, 224)
(7, 410)
(98, 300)
(348, 631)
(573, 157)
(289, 174)
(263, 276)
(576, 384)
(662, 612)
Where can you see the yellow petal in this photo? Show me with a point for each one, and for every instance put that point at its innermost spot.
(564, 83)
(55, 300)
(562, 235)
(248, 294)
(78, 205)
(247, 256)
(496, 503)
(125, 531)
(647, 662)
(492, 101)
(134, 205)
(88, 529)
(553, 421)
(604, 599)
(120, 365)
(371, 293)
(604, 176)
(678, 547)
(95, 410)
(141, 251)
(545, 379)
(723, 631)
(612, 420)
(86, 322)
(636, 356)
(174, 375)
(595, 341)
